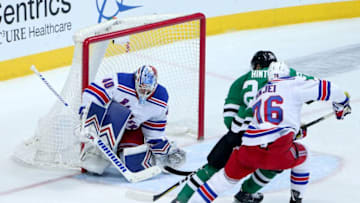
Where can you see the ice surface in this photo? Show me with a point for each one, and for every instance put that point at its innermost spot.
(328, 50)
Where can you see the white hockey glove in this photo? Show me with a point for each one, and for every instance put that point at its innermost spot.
(167, 153)
(342, 109)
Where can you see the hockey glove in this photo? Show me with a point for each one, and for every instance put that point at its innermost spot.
(302, 133)
(167, 153)
(342, 109)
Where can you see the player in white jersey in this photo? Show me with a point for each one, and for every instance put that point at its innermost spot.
(145, 129)
(269, 140)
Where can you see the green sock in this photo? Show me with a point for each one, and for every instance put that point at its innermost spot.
(258, 180)
(188, 190)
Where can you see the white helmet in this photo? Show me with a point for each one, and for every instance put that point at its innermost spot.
(278, 70)
(145, 82)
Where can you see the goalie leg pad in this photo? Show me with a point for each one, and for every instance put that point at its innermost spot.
(137, 158)
(113, 125)
(93, 114)
(108, 124)
(93, 160)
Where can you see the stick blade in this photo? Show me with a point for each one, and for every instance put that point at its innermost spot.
(144, 174)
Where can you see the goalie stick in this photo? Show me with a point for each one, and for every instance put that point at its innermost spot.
(112, 157)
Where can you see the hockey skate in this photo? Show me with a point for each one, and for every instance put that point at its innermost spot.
(245, 197)
(295, 197)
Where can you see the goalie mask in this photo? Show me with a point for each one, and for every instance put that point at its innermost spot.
(145, 82)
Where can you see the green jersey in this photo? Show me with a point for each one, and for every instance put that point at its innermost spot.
(242, 92)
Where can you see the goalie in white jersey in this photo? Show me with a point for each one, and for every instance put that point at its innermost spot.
(269, 140)
(140, 141)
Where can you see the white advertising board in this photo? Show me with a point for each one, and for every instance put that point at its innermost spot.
(34, 26)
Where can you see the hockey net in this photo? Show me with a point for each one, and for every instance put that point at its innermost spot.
(174, 44)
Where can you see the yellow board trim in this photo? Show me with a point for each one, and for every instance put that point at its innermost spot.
(43, 61)
(216, 25)
(282, 16)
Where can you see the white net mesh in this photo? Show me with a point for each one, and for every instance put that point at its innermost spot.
(174, 50)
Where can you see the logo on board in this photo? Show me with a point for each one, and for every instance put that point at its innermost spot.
(108, 9)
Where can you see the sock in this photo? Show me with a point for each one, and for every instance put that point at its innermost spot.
(201, 176)
(216, 185)
(258, 180)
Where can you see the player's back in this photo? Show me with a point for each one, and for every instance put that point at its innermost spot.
(243, 91)
(276, 110)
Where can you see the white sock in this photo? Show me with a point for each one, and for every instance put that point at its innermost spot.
(209, 191)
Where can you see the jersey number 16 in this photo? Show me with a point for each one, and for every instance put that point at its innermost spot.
(272, 114)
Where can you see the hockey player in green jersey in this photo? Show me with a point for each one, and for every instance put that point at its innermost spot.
(241, 92)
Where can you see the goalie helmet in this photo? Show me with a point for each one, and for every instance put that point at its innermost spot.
(263, 59)
(145, 82)
(278, 70)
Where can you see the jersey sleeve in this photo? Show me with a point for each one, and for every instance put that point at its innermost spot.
(233, 102)
(320, 90)
(242, 119)
(100, 92)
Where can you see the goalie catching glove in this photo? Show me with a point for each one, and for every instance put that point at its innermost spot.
(167, 153)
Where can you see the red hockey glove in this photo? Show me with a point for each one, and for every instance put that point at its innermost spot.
(342, 109)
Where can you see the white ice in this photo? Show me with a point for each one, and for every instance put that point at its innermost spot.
(328, 50)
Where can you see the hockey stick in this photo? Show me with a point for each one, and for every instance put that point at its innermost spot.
(177, 172)
(318, 120)
(132, 177)
(186, 173)
(148, 197)
(112, 157)
(33, 68)
(158, 196)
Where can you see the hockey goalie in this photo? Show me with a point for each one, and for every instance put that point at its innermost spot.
(127, 112)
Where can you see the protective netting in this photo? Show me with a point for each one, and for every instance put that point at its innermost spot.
(173, 48)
